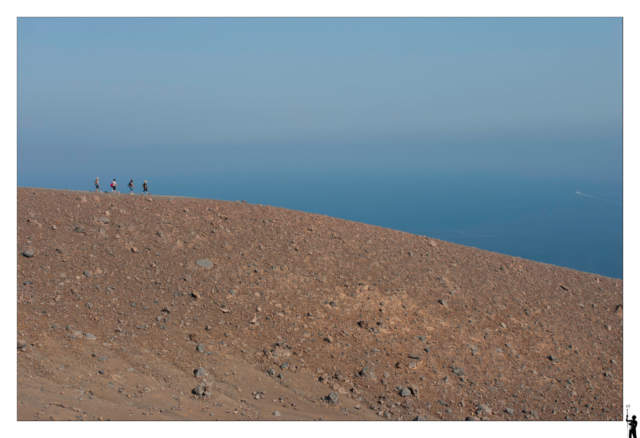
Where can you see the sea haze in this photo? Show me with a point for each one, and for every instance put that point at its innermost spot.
(541, 219)
(474, 131)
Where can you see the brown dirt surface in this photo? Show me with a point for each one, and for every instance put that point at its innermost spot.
(116, 319)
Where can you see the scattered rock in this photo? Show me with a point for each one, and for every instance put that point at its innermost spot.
(483, 409)
(332, 398)
(205, 263)
(28, 253)
(310, 288)
(277, 414)
(443, 302)
(199, 389)
(368, 372)
(534, 414)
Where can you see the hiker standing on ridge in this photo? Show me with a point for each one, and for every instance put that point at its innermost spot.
(131, 187)
(114, 186)
(145, 189)
(97, 183)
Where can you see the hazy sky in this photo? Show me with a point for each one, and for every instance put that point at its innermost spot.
(535, 96)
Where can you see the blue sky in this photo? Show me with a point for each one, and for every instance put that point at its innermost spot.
(526, 96)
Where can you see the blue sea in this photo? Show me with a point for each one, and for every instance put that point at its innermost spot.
(541, 219)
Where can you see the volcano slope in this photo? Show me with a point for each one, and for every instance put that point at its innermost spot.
(159, 308)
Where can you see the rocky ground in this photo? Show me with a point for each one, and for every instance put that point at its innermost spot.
(159, 308)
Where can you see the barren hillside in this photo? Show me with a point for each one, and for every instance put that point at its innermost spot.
(158, 308)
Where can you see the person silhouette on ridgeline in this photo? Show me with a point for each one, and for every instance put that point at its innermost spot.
(632, 427)
(97, 183)
(131, 187)
(114, 186)
(145, 189)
